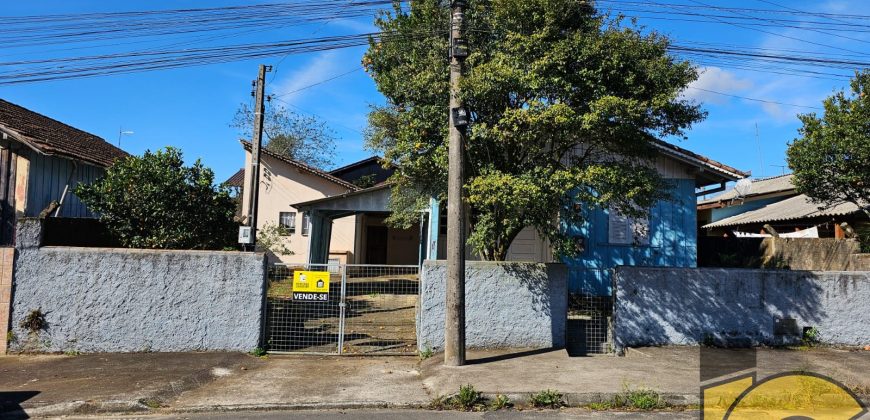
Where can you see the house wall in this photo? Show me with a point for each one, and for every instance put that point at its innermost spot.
(282, 185)
(47, 178)
(672, 242)
(683, 306)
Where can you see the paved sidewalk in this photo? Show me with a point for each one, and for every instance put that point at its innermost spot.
(206, 382)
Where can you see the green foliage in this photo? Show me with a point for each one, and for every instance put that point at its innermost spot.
(500, 402)
(154, 201)
(272, 238)
(301, 138)
(440, 402)
(556, 91)
(258, 352)
(467, 399)
(811, 336)
(11, 337)
(426, 353)
(547, 399)
(632, 399)
(34, 321)
(831, 158)
(365, 181)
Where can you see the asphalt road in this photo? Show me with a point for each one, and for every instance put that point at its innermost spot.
(422, 415)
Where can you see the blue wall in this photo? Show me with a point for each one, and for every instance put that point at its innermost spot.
(673, 242)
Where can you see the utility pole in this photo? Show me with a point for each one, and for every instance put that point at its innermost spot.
(454, 328)
(256, 143)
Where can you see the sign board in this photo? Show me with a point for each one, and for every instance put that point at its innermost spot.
(311, 286)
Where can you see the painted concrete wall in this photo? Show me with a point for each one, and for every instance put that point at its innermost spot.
(128, 300)
(664, 306)
(282, 185)
(508, 304)
(47, 177)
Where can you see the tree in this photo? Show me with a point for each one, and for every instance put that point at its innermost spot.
(154, 201)
(298, 137)
(831, 158)
(565, 104)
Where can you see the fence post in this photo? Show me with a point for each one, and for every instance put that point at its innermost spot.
(341, 309)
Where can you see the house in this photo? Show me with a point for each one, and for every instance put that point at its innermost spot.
(746, 209)
(607, 237)
(41, 160)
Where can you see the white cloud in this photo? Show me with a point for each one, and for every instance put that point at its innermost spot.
(718, 80)
(319, 68)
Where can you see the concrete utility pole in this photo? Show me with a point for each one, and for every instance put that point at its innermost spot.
(454, 328)
(256, 144)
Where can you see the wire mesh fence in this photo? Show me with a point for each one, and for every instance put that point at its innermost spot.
(590, 313)
(370, 309)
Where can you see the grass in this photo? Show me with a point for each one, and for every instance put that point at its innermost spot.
(258, 352)
(469, 399)
(547, 399)
(643, 399)
(426, 353)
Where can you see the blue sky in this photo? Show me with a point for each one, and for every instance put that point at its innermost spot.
(191, 108)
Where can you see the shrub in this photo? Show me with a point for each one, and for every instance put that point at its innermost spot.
(468, 398)
(547, 399)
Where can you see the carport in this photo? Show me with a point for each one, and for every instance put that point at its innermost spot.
(379, 244)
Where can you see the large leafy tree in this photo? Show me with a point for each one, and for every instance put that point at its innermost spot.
(831, 158)
(154, 201)
(302, 138)
(565, 104)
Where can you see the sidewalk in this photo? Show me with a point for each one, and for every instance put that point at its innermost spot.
(204, 382)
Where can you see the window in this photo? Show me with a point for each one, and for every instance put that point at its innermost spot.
(287, 220)
(306, 222)
(623, 230)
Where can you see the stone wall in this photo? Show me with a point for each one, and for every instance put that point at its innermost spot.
(127, 300)
(508, 305)
(664, 306)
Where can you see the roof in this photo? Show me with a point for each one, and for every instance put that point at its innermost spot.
(237, 180)
(693, 158)
(761, 186)
(794, 208)
(355, 197)
(366, 161)
(299, 165)
(52, 137)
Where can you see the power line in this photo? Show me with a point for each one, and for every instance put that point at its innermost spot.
(756, 99)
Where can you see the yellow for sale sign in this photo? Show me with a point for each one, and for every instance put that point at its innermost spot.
(311, 286)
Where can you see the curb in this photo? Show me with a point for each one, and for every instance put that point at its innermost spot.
(581, 399)
(350, 405)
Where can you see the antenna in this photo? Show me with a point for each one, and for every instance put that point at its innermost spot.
(743, 187)
(121, 133)
(781, 167)
(760, 154)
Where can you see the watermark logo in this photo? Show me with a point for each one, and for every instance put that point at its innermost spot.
(786, 395)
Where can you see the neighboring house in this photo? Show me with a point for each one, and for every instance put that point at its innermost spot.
(607, 237)
(41, 160)
(235, 182)
(774, 202)
(365, 173)
(284, 181)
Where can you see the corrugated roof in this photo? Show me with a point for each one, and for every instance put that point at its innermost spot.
(760, 186)
(307, 168)
(797, 207)
(51, 136)
(237, 179)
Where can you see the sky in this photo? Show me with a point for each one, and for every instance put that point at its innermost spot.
(191, 108)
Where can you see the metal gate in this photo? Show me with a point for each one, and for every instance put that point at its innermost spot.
(371, 310)
(590, 312)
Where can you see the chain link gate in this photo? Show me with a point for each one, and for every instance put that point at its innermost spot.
(371, 310)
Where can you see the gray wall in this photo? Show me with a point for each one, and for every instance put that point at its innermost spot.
(126, 300)
(661, 306)
(508, 304)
